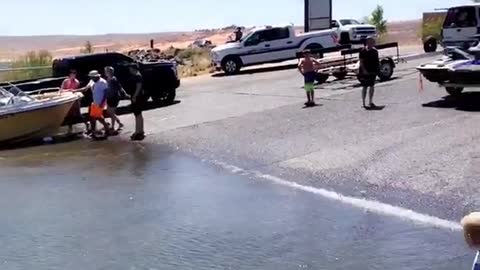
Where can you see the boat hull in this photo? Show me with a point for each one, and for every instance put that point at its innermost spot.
(35, 123)
(436, 75)
(443, 76)
(464, 77)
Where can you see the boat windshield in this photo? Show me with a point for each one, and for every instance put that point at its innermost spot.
(4, 93)
(13, 96)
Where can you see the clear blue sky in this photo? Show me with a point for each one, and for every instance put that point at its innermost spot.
(43, 17)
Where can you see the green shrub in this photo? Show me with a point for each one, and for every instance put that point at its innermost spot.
(195, 61)
(40, 62)
(377, 19)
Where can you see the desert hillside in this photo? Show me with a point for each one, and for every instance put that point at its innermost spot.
(61, 45)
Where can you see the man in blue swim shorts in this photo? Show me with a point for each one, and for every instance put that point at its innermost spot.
(308, 68)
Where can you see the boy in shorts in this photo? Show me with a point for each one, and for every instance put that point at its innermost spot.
(308, 67)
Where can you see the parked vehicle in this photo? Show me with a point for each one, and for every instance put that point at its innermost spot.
(160, 77)
(352, 31)
(461, 25)
(202, 43)
(269, 45)
(432, 25)
(459, 28)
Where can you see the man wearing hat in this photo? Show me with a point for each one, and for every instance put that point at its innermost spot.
(99, 87)
(369, 65)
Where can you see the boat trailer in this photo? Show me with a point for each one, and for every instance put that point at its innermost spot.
(348, 62)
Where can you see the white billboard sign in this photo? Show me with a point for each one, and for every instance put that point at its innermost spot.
(318, 15)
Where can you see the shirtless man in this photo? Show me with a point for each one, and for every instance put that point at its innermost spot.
(308, 68)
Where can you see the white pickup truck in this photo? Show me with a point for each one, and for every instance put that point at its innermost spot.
(269, 45)
(353, 32)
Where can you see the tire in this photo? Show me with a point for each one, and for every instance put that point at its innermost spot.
(454, 91)
(315, 46)
(322, 77)
(430, 45)
(231, 65)
(164, 98)
(345, 38)
(340, 75)
(386, 70)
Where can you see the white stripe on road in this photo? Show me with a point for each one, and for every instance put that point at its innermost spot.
(370, 205)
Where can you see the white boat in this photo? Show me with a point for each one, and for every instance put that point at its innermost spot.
(456, 70)
(26, 116)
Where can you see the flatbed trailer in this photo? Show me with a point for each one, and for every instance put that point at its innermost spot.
(347, 64)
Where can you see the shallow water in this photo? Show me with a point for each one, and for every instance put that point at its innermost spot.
(118, 205)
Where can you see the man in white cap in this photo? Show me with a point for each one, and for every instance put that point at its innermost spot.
(99, 87)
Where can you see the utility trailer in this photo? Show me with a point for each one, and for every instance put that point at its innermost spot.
(348, 62)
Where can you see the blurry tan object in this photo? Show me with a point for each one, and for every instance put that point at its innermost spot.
(471, 229)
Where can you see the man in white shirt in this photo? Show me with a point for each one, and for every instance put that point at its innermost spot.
(99, 87)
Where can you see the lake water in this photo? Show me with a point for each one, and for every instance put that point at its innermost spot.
(117, 205)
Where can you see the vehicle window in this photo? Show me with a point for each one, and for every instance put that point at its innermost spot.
(460, 17)
(349, 22)
(276, 34)
(257, 37)
(247, 36)
(334, 24)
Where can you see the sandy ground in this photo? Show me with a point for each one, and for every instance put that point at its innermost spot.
(406, 32)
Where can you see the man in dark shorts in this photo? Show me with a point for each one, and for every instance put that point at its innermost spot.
(115, 93)
(138, 101)
(369, 65)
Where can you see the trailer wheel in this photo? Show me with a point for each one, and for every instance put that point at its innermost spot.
(386, 70)
(430, 45)
(454, 91)
(340, 75)
(321, 77)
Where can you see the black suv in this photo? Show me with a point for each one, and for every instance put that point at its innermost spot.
(160, 78)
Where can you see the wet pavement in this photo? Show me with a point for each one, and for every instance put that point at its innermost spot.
(116, 205)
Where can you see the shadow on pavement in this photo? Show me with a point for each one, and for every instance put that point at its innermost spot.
(311, 106)
(358, 84)
(469, 101)
(376, 108)
(62, 138)
(257, 70)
